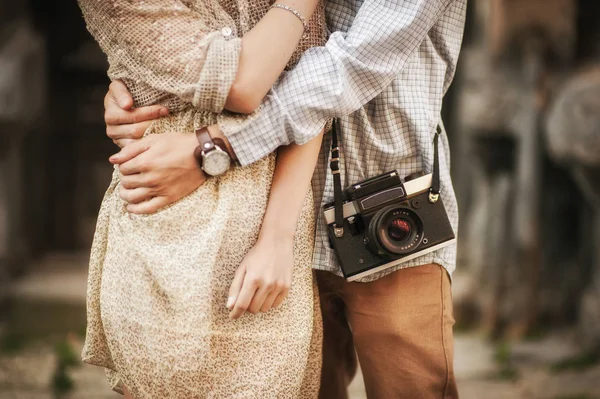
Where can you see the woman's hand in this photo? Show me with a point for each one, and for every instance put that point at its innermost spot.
(263, 280)
(158, 170)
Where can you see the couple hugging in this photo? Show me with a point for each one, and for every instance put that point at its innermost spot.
(212, 273)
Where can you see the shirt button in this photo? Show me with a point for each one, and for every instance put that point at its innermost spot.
(226, 31)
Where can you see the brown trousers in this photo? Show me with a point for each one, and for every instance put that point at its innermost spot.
(400, 326)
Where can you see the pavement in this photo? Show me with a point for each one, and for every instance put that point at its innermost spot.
(56, 287)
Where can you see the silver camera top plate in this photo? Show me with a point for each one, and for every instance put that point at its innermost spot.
(412, 187)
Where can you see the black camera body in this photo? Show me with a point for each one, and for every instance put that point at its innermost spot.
(388, 222)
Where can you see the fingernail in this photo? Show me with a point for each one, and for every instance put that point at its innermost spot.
(124, 102)
(230, 302)
(164, 112)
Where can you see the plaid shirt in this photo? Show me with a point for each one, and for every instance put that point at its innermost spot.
(383, 72)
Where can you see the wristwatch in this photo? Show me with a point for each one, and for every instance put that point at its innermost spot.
(211, 153)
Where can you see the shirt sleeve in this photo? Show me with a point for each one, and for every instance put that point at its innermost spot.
(168, 46)
(337, 79)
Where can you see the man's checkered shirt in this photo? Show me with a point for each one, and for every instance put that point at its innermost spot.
(383, 72)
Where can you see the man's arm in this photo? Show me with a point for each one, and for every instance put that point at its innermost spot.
(329, 81)
(339, 78)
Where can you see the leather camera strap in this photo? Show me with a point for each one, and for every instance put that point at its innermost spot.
(334, 164)
(434, 191)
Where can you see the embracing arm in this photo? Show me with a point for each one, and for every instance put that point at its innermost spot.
(171, 48)
(339, 78)
(156, 167)
(266, 50)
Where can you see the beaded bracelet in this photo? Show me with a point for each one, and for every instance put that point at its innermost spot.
(296, 13)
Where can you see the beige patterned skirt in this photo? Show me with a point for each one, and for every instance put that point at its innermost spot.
(158, 286)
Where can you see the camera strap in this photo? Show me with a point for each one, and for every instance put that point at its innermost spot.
(434, 191)
(334, 164)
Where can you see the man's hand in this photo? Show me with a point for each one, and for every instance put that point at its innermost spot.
(125, 124)
(158, 170)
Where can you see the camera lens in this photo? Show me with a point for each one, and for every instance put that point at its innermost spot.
(395, 231)
(399, 229)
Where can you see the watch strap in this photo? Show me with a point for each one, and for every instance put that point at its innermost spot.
(207, 143)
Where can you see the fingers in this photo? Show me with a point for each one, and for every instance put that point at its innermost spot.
(123, 142)
(280, 298)
(136, 195)
(130, 131)
(135, 166)
(133, 181)
(236, 286)
(254, 296)
(268, 304)
(128, 153)
(244, 299)
(259, 299)
(148, 207)
(119, 93)
(114, 115)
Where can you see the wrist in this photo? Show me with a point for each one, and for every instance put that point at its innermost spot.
(276, 232)
(216, 133)
(190, 141)
(305, 8)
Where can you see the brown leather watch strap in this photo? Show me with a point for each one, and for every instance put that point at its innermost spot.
(221, 144)
(207, 143)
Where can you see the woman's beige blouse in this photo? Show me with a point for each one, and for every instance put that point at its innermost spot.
(180, 52)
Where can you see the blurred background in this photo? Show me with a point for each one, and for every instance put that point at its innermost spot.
(523, 117)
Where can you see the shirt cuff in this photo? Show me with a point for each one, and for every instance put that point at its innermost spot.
(254, 136)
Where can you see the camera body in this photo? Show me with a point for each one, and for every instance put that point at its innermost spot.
(388, 222)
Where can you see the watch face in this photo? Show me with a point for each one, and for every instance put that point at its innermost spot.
(216, 162)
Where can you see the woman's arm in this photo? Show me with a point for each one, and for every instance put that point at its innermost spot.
(266, 50)
(291, 181)
(263, 279)
(172, 48)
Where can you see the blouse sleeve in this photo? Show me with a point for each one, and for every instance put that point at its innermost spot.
(169, 46)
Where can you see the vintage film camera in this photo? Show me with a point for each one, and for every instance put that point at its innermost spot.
(387, 222)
